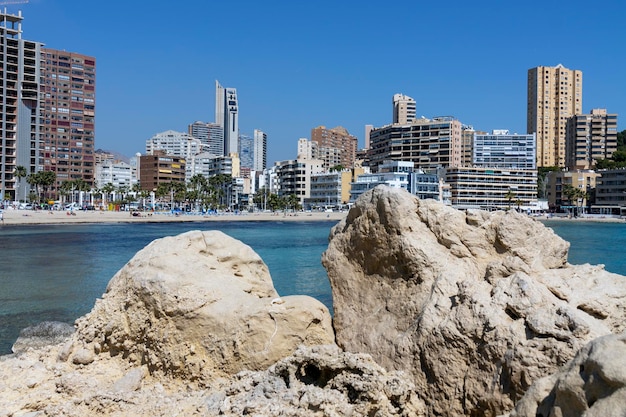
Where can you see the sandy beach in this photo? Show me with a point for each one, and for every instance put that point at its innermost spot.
(28, 217)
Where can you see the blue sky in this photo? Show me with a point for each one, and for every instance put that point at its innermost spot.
(297, 65)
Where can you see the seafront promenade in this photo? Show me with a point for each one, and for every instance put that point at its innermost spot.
(24, 217)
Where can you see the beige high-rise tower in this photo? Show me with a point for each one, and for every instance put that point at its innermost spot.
(554, 95)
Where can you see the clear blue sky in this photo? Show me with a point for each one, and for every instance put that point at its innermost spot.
(297, 65)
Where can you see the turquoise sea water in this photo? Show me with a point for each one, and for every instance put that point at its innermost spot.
(57, 272)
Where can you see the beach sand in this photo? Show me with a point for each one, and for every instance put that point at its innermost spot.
(25, 217)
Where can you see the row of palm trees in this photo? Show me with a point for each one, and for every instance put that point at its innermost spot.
(199, 192)
(274, 202)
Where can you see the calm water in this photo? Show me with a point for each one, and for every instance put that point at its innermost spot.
(57, 272)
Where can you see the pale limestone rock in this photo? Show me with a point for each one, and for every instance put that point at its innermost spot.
(475, 306)
(201, 305)
(319, 381)
(593, 384)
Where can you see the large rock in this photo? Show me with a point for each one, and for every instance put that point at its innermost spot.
(198, 306)
(593, 384)
(475, 305)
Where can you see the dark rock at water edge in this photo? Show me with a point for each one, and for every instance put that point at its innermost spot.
(43, 334)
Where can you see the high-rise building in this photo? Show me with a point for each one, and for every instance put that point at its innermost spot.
(260, 150)
(335, 146)
(403, 109)
(211, 135)
(429, 144)
(20, 103)
(227, 115)
(590, 137)
(554, 95)
(246, 151)
(68, 137)
(501, 149)
(48, 105)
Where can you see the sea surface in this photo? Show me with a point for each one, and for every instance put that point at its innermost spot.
(56, 272)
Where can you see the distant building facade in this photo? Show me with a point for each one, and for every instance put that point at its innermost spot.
(211, 135)
(68, 140)
(174, 143)
(158, 168)
(246, 151)
(227, 115)
(260, 150)
(500, 149)
(490, 188)
(554, 95)
(404, 108)
(391, 173)
(335, 146)
(294, 177)
(428, 143)
(611, 189)
(21, 103)
(117, 173)
(590, 137)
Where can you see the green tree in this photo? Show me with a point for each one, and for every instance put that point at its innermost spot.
(20, 172)
(292, 201)
(47, 179)
(107, 190)
(510, 195)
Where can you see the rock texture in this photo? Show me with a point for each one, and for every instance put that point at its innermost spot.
(314, 381)
(197, 306)
(475, 306)
(42, 334)
(319, 381)
(593, 384)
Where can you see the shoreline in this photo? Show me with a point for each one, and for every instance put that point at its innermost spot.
(44, 217)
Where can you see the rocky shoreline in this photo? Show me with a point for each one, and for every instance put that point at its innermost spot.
(437, 313)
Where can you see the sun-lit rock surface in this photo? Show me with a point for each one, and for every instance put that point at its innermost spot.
(475, 306)
(200, 305)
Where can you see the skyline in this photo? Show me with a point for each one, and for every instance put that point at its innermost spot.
(299, 66)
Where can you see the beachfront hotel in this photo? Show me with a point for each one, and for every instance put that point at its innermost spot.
(554, 95)
(47, 111)
(69, 109)
(21, 101)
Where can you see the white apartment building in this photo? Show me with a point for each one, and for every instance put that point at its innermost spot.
(260, 150)
(174, 143)
(294, 177)
(390, 173)
(501, 149)
(118, 173)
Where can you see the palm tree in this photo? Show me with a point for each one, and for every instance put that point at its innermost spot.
(510, 195)
(20, 172)
(107, 190)
(46, 179)
(570, 193)
(35, 181)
